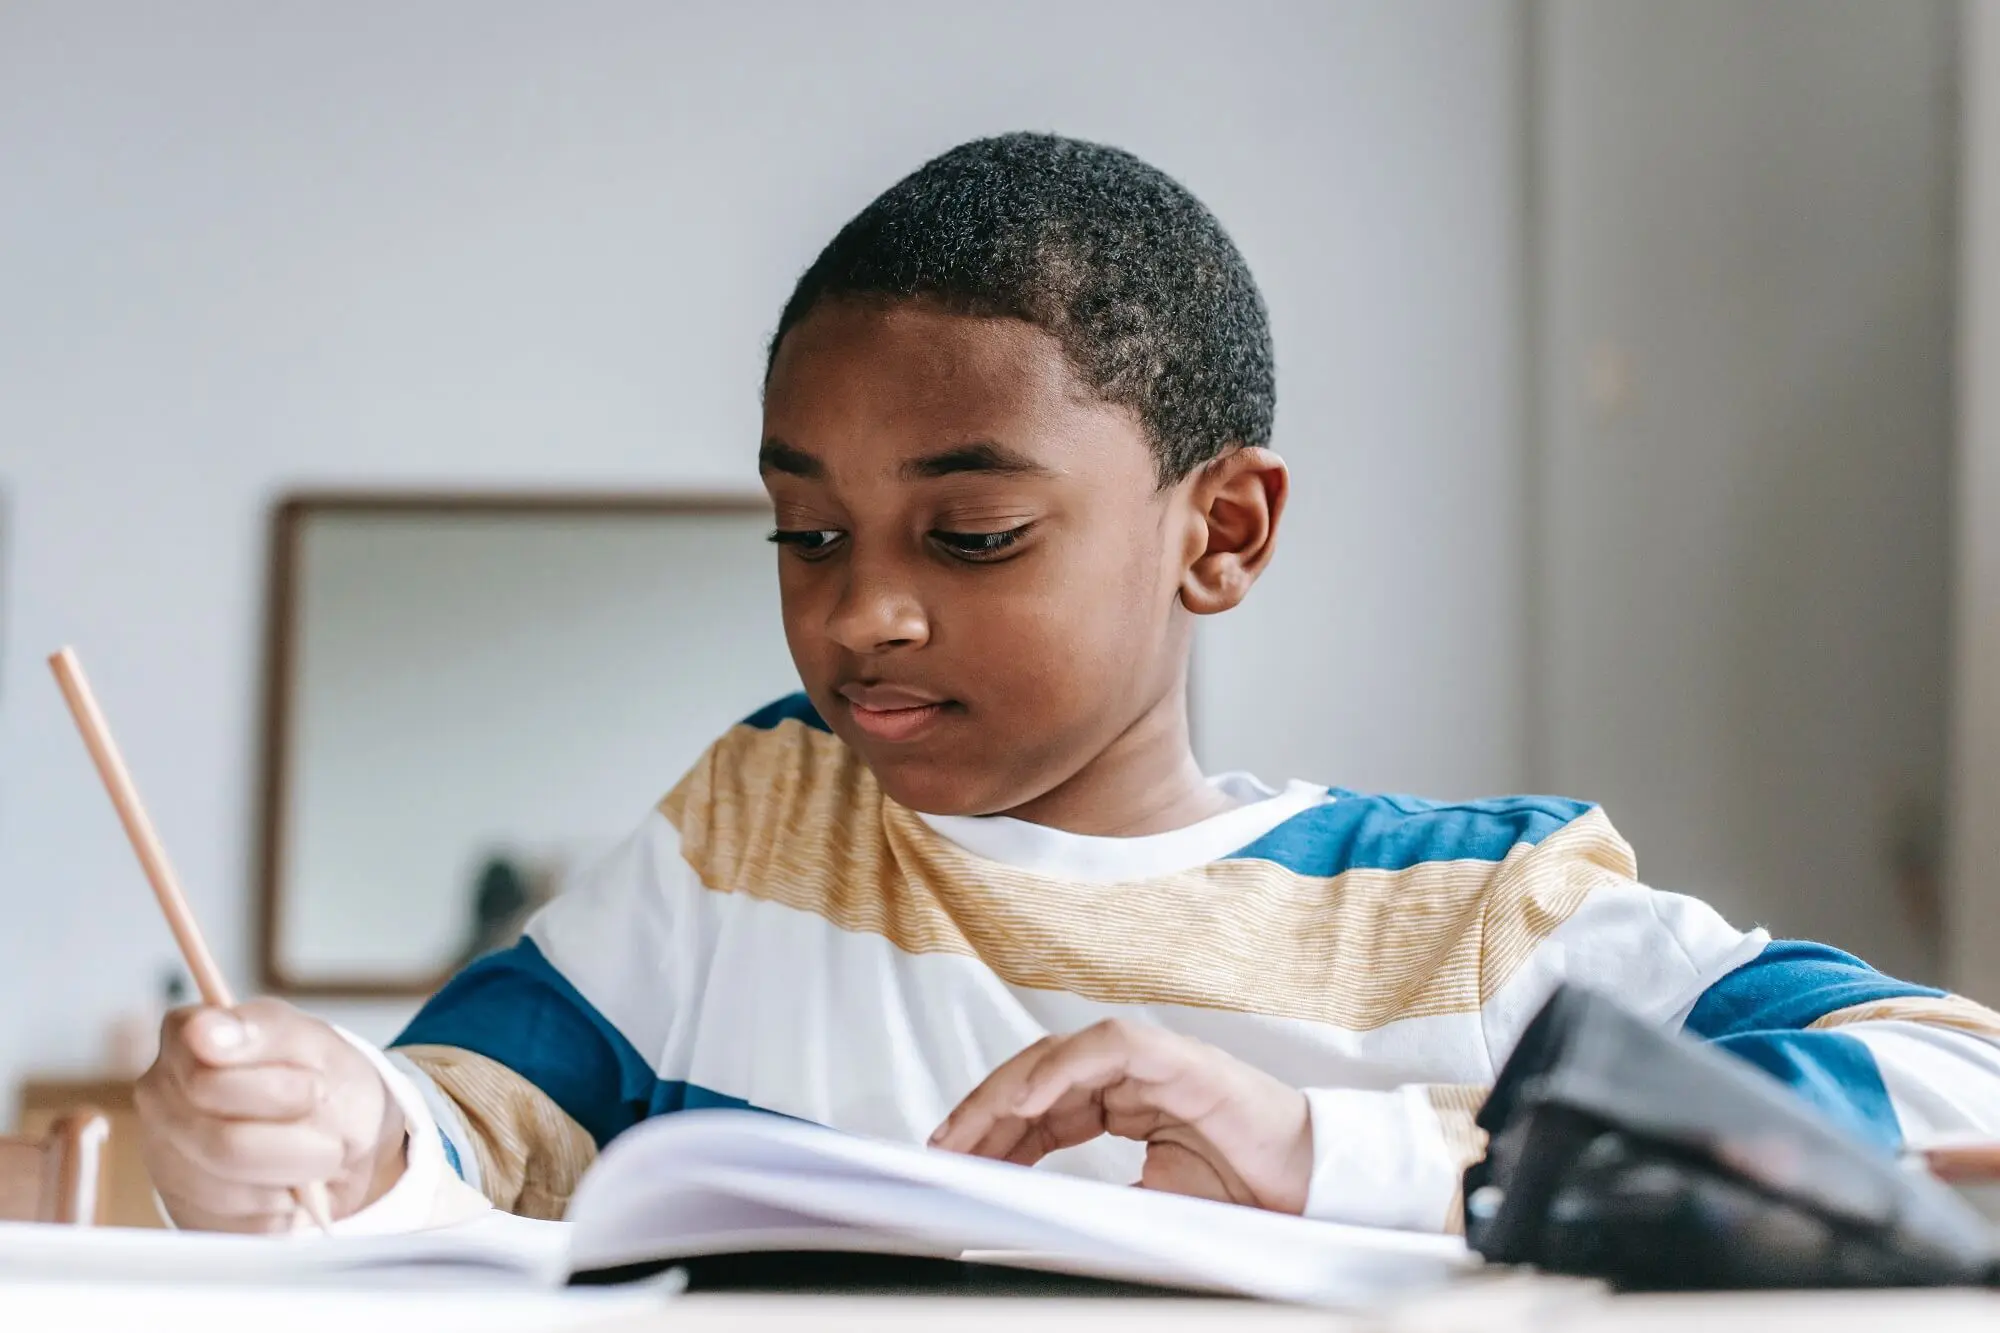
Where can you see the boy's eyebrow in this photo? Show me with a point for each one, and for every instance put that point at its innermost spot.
(777, 456)
(980, 456)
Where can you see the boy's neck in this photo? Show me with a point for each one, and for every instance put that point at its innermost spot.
(1146, 781)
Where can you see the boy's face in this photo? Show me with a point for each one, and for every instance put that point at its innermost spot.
(980, 574)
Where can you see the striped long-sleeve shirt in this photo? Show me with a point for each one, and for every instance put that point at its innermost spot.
(779, 934)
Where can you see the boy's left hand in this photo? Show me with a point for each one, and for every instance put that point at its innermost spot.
(1213, 1126)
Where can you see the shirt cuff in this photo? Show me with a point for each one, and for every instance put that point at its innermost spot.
(1380, 1159)
(422, 1197)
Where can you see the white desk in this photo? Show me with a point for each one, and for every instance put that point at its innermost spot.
(33, 1307)
(1491, 1312)
(1498, 1306)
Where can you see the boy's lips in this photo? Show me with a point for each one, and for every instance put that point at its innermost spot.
(892, 713)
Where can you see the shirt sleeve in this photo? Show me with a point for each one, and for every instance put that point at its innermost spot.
(1898, 1065)
(429, 1193)
(1392, 1158)
(529, 1060)
(1396, 1157)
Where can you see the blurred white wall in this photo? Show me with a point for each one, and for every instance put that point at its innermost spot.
(246, 245)
(1747, 277)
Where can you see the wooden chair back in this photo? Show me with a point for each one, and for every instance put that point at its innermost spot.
(58, 1178)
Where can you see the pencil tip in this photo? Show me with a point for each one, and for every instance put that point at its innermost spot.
(313, 1199)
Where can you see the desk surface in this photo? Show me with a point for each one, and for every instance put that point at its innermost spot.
(1498, 1306)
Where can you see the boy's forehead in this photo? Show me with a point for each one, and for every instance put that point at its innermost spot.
(873, 362)
(874, 384)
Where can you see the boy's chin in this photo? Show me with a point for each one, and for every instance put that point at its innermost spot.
(931, 788)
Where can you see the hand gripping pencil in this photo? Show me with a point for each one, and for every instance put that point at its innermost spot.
(153, 860)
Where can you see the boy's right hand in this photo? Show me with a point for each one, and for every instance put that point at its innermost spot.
(246, 1104)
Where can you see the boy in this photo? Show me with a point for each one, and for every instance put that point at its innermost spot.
(971, 885)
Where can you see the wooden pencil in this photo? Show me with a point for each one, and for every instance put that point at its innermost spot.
(208, 978)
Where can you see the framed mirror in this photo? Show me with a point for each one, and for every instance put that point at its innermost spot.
(469, 696)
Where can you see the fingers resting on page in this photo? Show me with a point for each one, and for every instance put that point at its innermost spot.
(1213, 1125)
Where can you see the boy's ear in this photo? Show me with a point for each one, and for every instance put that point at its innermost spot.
(1237, 500)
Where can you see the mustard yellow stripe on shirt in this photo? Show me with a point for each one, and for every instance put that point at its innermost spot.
(531, 1155)
(1457, 1106)
(790, 815)
(1948, 1011)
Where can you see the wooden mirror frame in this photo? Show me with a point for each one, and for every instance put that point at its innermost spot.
(288, 518)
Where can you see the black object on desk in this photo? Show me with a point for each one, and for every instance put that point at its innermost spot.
(1645, 1158)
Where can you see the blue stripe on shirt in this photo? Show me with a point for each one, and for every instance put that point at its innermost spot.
(1761, 1011)
(1357, 832)
(514, 1007)
(791, 708)
(1833, 1072)
(1788, 986)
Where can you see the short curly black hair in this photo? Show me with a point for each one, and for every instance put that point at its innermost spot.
(1150, 299)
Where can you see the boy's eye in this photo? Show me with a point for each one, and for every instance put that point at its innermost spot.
(811, 543)
(978, 545)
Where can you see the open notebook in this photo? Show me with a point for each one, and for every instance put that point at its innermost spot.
(709, 1186)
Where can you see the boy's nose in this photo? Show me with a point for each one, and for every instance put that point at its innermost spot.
(875, 614)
